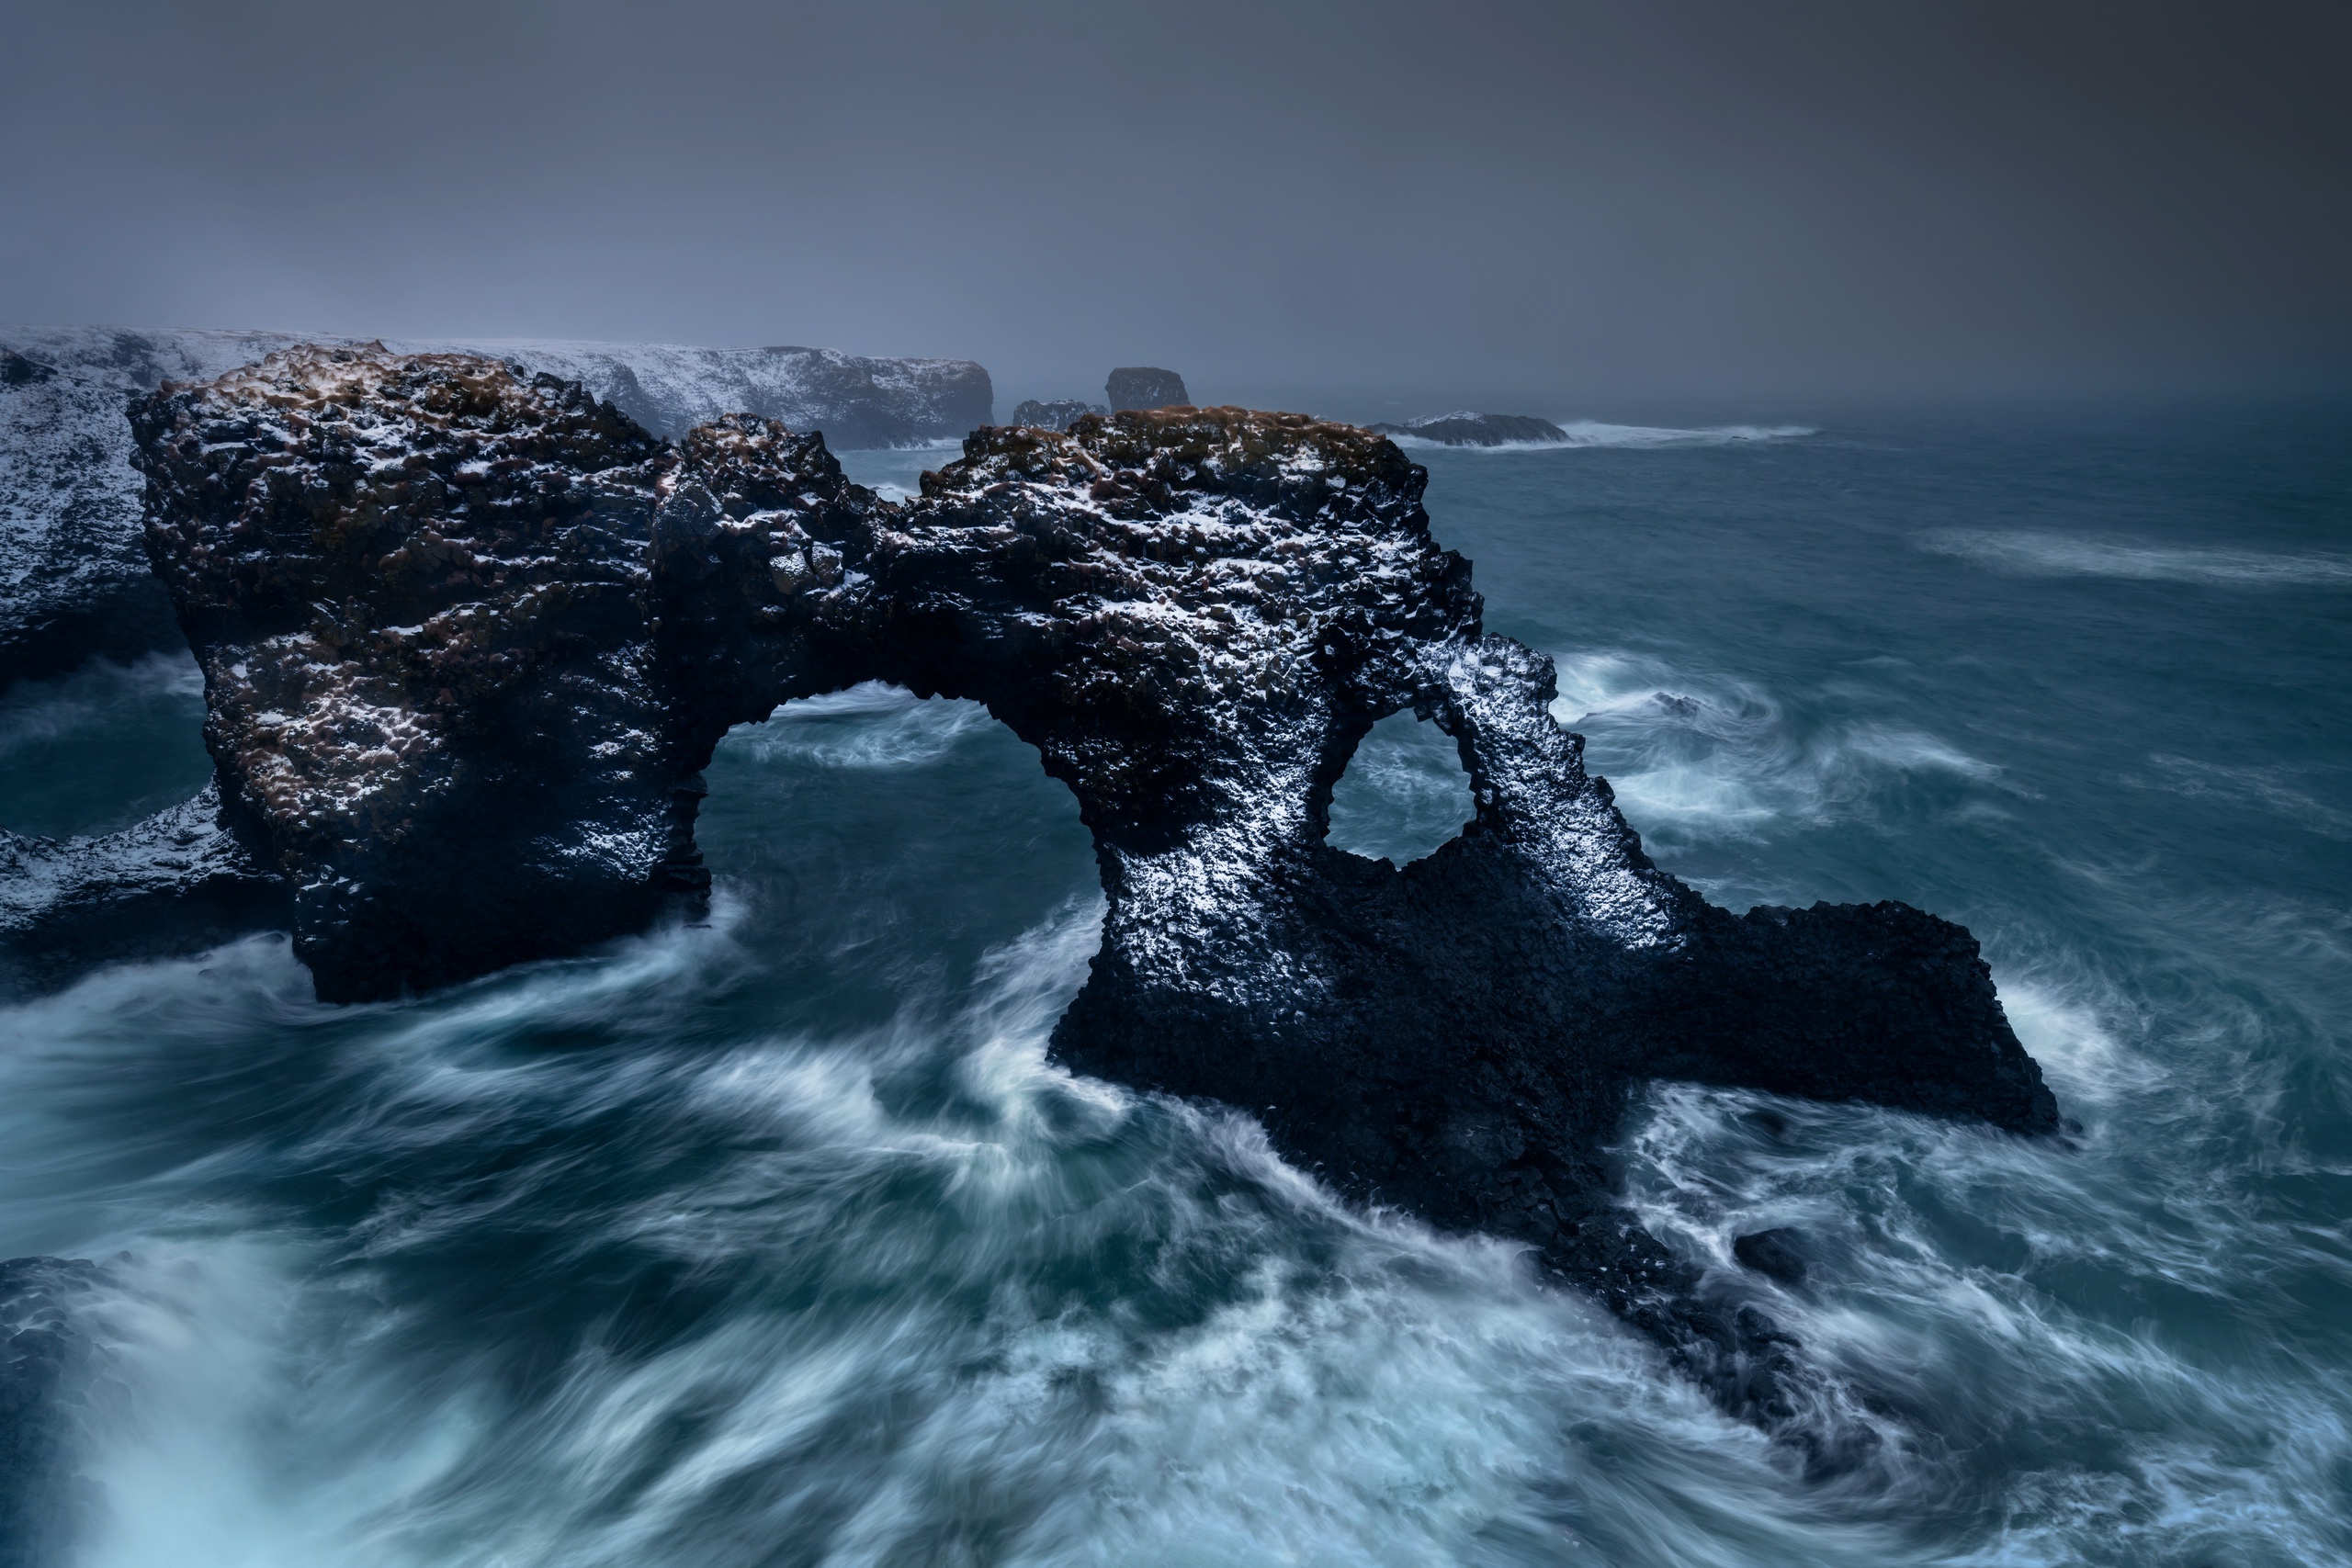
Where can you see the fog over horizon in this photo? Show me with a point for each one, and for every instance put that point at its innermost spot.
(1364, 209)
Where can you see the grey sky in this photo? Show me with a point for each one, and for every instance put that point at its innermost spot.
(1545, 206)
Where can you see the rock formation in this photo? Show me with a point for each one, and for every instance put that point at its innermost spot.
(1480, 430)
(1059, 413)
(1144, 387)
(77, 583)
(468, 639)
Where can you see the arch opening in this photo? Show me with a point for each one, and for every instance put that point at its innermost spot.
(1404, 793)
(882, 845)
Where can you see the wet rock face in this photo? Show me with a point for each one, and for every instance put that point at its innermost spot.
(1145, 387)
(468, 639)
(421, 591)
(1182, 609)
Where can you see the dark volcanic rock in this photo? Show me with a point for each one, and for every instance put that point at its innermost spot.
(1776, 1254)
(50, 1368)
(182, 881)
(15, 370)
(468, 641)
(1057, 414)
(74, 583)
(1144, 387)
(423, 594)
(1480, 430)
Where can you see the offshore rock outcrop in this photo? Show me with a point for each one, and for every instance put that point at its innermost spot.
(74, 583)
(1145, 387)
(1480, 430)
(469, 641)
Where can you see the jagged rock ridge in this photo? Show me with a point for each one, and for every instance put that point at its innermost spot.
(74, 583)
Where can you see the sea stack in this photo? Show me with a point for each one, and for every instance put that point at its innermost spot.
(1144, 387)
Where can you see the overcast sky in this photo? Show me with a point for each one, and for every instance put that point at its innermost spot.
(1560, 207)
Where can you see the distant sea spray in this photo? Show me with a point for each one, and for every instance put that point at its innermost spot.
(2037, 554)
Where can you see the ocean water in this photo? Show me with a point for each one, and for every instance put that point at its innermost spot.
(778, 1240)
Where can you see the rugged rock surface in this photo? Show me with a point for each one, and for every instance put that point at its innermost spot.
(1145, 387)
(51, 1391)
(1058, 414)
(74, 583)
(1480, 430)
(469, 641)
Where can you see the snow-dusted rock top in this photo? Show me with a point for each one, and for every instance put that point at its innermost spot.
(74, 583)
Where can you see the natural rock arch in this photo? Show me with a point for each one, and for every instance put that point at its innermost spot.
(469, 642)
(1404, 793)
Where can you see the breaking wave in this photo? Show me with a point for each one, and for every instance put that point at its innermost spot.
(872, 725)
(2060, 555)
(1712, 755)
(418, 1283)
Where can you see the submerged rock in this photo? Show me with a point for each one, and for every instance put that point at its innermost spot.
(1480, 430)
(1777, 1253)
(468, 641)
(1057, 414)
(1145, 387)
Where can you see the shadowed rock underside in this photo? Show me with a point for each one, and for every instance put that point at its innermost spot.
(468, 641)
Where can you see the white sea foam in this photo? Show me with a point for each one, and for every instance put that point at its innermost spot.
(1712, 754)
(868, 725)
(2060, 555)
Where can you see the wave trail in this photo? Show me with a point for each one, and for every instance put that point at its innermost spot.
(2034, 554)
